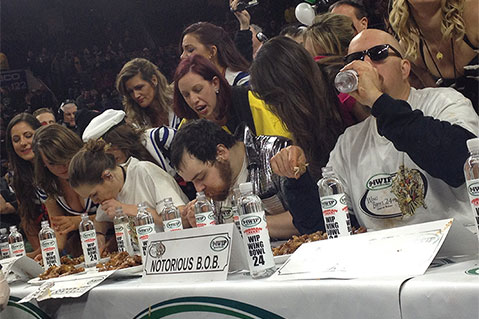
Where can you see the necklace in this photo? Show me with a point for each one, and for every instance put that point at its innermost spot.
(439, 56)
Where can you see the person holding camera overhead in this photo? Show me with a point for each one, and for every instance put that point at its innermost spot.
(250, 37)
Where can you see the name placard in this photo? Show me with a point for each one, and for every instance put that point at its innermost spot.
(196, 254)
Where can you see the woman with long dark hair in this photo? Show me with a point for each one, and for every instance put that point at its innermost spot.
(201, 91)
(286, 77)
(213, 43)
(19, 135)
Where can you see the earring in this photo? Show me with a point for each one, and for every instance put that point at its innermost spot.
(217, 91)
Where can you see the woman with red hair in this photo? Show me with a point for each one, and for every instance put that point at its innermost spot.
(201, 91)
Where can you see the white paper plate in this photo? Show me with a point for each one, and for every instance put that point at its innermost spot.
(136, 271)
(281, 259)
(38, 282)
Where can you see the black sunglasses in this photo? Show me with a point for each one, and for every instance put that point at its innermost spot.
(376, 53)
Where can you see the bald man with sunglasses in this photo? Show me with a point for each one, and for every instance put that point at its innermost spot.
(402, 165)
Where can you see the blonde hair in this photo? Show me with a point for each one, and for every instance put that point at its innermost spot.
(406, 28)
(330, 34)
(164, 92)
(88, 165)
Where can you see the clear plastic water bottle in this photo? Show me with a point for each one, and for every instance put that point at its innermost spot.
(204, 211)
(255, 233)
(346, 81)
(171, 216)
(4, 246)
(471, 172)
(89, 242)
(235, 209)
(145, 226)
(48, 244)
(334, 205)
(123, 239)
(15, 240)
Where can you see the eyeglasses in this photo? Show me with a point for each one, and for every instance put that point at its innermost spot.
(376, 53)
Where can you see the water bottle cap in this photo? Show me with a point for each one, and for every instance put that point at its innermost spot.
(246, 187)
(84, 215)
(473, 144)
(168, 200)
(13, 228)
(44, 223)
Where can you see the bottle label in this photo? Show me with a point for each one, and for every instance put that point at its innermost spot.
(143, 233)
(205, 219)
(90, 247)
(172, 224)
(17, 249)
(256, 240)
(473, 191)
(50, 254)
(336, 215)
(236, 220)
(123, 240)
(227, 215)
(5, 250)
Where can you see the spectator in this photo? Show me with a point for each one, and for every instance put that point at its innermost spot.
(354, 10)
(441, 38)
(295, 32)
(67, 112)
(213, 43)
(45, 116)
(327, 40)
(20, 133)
(147, 97)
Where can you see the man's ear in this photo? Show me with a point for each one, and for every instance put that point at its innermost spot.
(364, 23)
(405, 68)
(222, 153)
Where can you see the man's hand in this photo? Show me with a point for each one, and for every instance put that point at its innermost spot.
(243, 16)
(65, 224)
(369, 82)
(188, 214)
(289, 162)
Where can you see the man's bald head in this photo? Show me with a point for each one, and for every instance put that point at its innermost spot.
(373, 36)
(393, 70)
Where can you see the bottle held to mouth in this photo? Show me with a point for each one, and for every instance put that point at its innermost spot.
(346, 81)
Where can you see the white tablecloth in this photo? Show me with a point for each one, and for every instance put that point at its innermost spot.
(443, 292)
